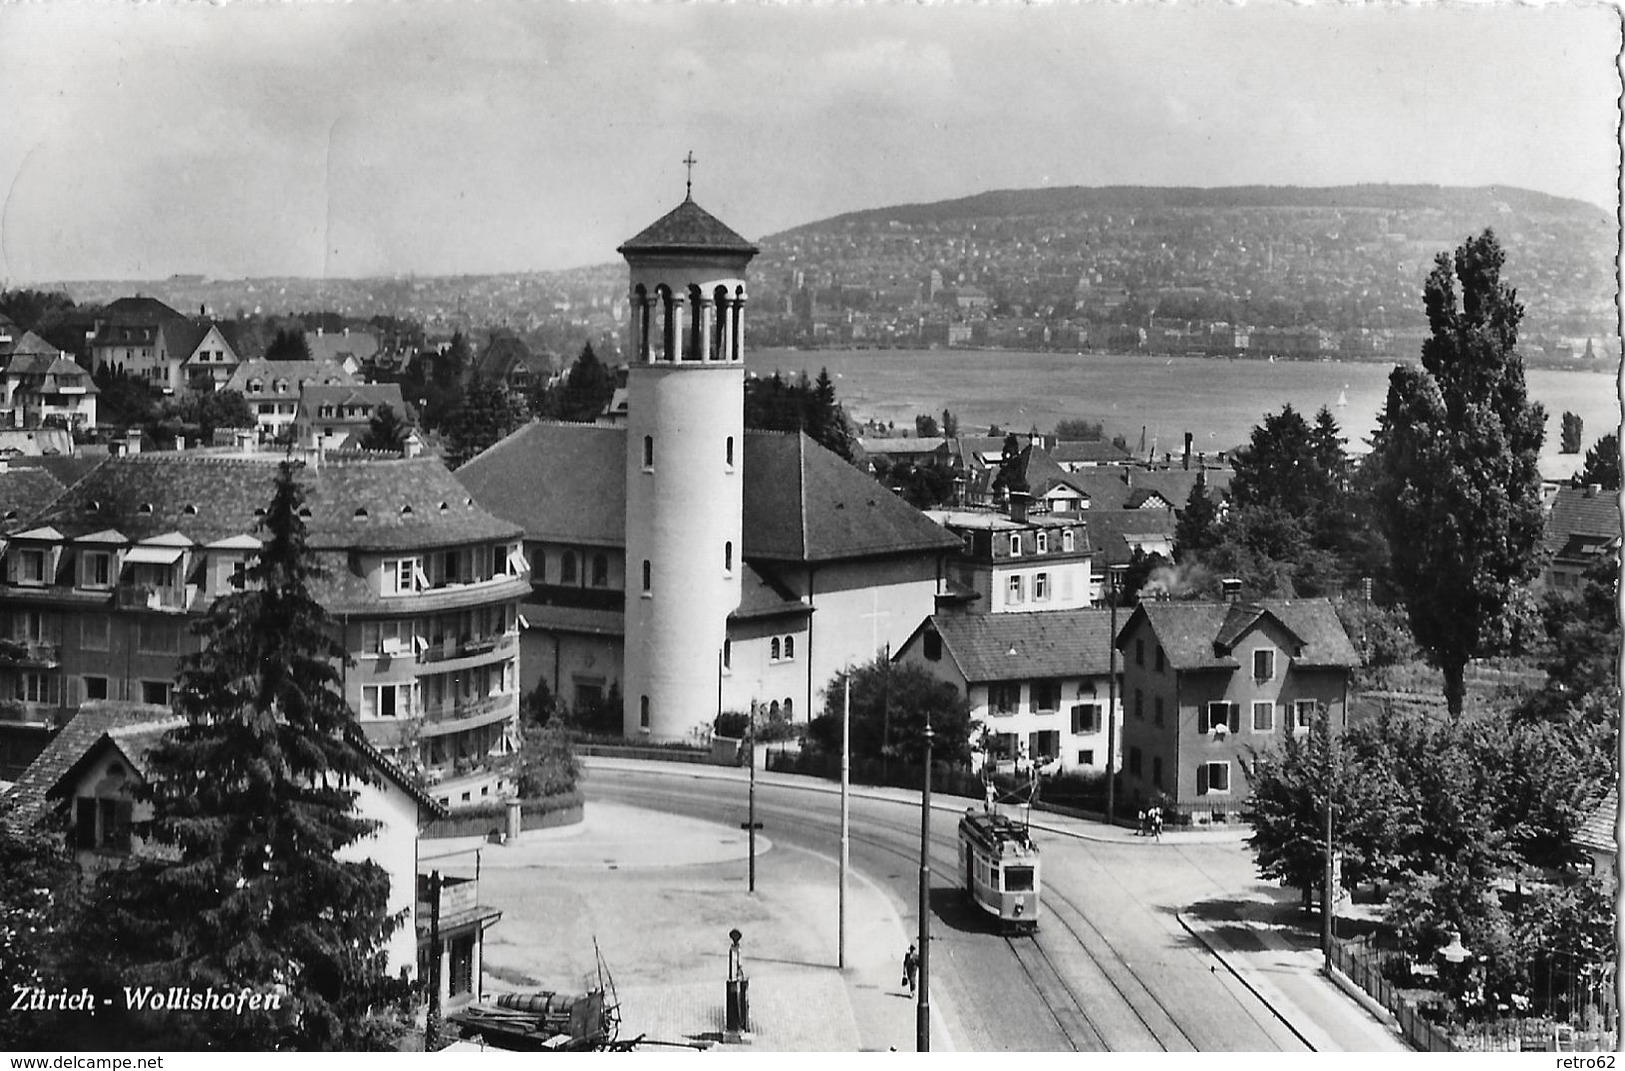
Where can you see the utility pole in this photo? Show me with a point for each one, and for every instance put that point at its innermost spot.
(751, 817)
(1111, 702)
(431, 1031)
(922, 1013)
(846, 835)
(1328, 901)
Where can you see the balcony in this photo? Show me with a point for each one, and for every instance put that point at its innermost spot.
(439, 719)
(33, 653)
(467, 647)
(151, 597)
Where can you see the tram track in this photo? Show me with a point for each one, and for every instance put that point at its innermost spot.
(1084, 982)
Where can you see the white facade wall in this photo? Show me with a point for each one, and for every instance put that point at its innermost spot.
(862, 608)
(684, 519)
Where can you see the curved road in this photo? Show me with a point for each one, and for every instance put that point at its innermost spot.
(1110, 968)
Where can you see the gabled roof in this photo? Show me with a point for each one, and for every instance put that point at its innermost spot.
(502, 354)
(1001, 647)
(804, 504)
(335, 347)
(92, 720)
(28, 345)
(1114, 533)
(1580, 520)
(1599, 831)
(183, 337)
(134, 741)
(1201, 635)
(1117, 486)
(567, 483)
(685, 229)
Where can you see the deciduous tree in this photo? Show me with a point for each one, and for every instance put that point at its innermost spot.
(890, 706)
(1457, 488)
(386, 431)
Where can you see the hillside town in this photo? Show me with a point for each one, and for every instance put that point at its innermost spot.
(648, 551)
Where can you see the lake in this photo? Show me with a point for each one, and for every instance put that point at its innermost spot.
(1218, 401)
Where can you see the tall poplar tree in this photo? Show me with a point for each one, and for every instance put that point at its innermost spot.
(1457, 487)
(251, 799)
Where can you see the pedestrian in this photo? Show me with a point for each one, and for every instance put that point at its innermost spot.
(1140, 831)
(1156, 822)
(911, 968)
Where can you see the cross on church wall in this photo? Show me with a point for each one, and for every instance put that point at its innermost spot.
(874, 616)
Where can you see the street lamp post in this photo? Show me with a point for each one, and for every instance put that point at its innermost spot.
(922, 1013)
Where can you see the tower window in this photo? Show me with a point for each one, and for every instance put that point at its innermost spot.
(643, 712)
(567, 568)
(648, 577)
(648, 452)
(730, 451)
(728, 557)
(789, 647)
(727, 654)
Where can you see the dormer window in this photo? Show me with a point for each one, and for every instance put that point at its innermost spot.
(1066, 541)
(144, 508)
(1042, 539)
(406, 510)
(1015, 546)
(361, 513)
(190, 510)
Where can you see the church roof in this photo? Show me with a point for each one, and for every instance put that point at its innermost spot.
(688, 228)
(567, 483)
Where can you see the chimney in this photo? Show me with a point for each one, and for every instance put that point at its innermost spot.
(1231, 587)
(1018, 506)
(1593, 490)
(1187, 451)
(132, 442)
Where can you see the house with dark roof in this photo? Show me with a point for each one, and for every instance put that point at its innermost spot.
(1075, 454)
(90, 775)
(102, 586)
(44, 391)
(508, 363)
(1012, 561)
(206, 354)
(272, 390)
(1039, 684)
(350, 350)
(1582, 526)
(24, 492)
(835, 567)
(1209, 685)
(130, 335)
(329, 415)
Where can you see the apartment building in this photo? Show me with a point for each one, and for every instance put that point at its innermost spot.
(102, 588)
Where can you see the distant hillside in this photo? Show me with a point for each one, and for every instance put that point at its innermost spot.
(1072, 199)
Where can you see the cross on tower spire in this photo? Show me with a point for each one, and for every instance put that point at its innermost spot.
(690, 162)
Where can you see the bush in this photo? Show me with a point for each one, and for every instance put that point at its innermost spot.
(547, 764)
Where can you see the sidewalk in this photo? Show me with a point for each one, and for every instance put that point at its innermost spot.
(564, 890)
(1252, 931)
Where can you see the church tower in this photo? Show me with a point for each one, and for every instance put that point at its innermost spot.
(684, 467)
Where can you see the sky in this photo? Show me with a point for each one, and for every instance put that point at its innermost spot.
(243, 139)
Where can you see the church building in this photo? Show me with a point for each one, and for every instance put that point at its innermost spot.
(692, 565)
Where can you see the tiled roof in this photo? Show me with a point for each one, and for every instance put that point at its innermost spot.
(269, 373)
(138, 310)
(559, 482)
(1097, 451)
(182, 337)
(28, 344)
(567, 483)
(314, 396)
(1600, 830)
(1576, 513)
(1001, 647)
(1115, 487)
(87, 726)
(368, 505)
(335, 347)
(1191, 631)
(574, 619)
(67, 469)
(24, 493)
(1112, 531)
(687, 228)
(502, 353)
(804, 504)
(761, 594)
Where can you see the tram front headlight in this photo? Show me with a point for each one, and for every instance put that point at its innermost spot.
(1019, 906)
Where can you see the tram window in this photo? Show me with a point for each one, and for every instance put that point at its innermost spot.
(1018, 879)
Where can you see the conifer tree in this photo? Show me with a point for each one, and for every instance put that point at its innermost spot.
(1197, 528)
(1457, 488)
(251, 799)
(386, 431)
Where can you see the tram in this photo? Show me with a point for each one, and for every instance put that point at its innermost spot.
(999, 862)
